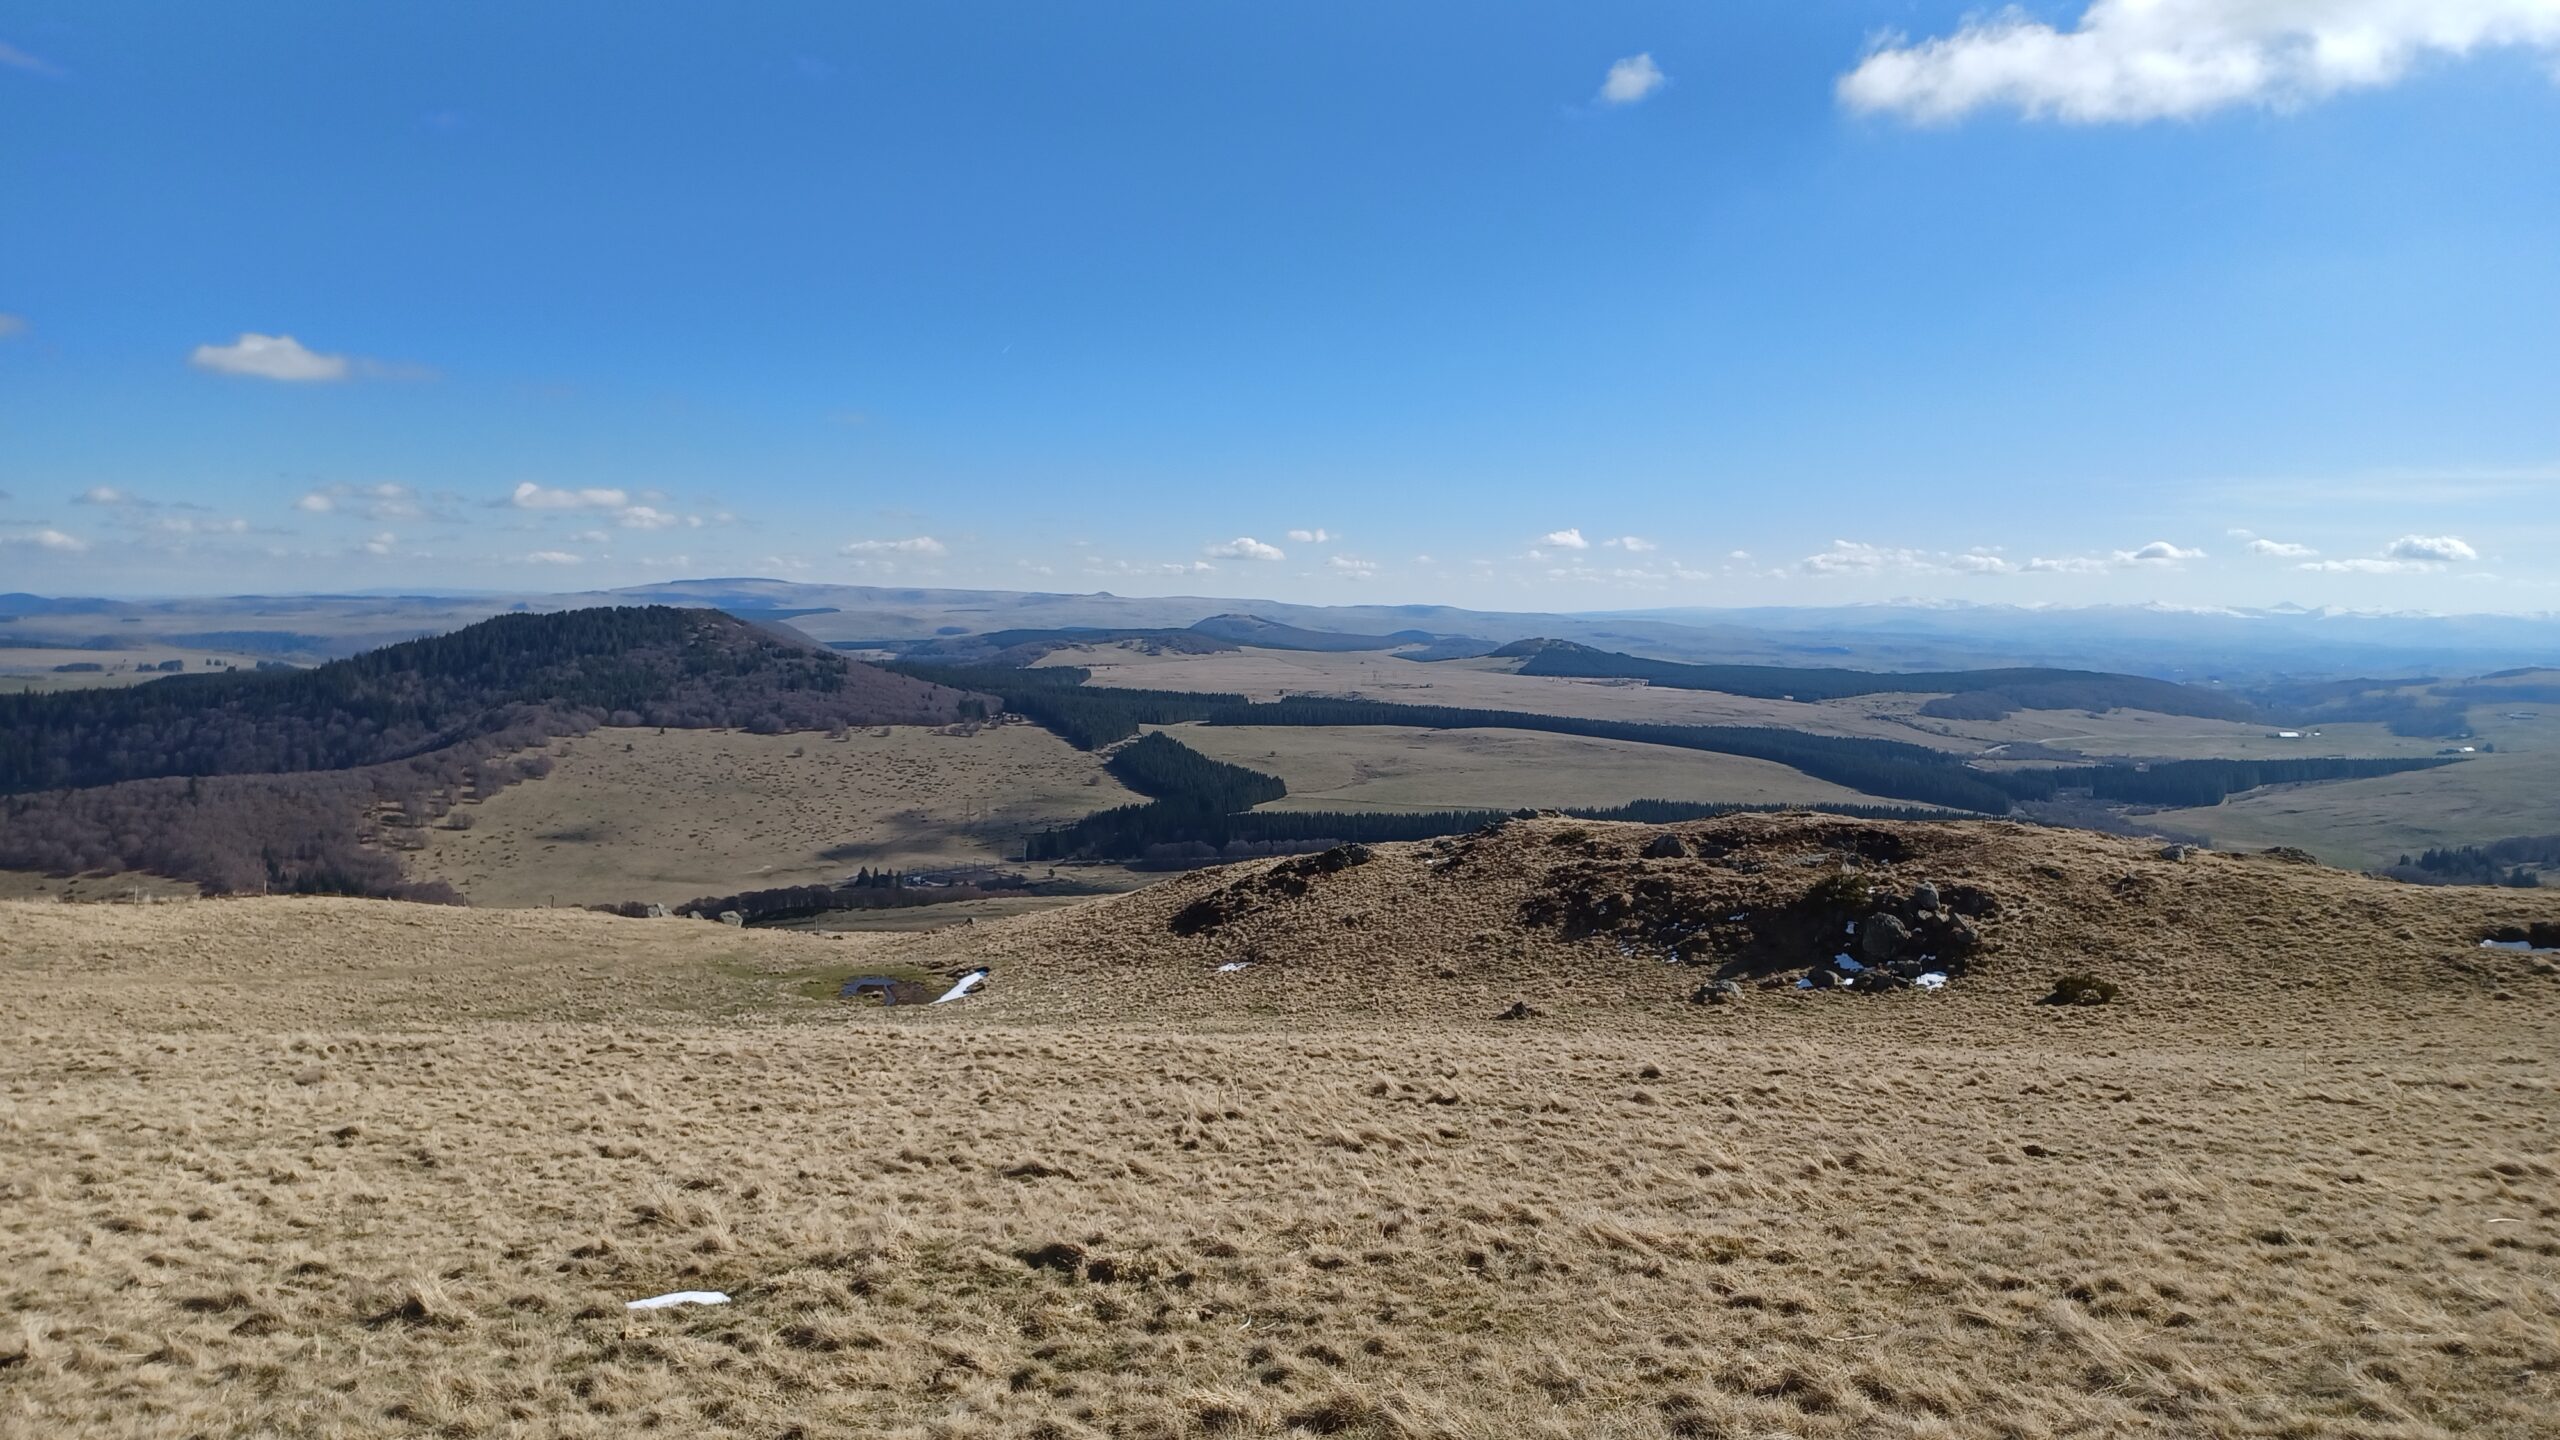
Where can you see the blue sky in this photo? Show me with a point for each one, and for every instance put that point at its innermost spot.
(1559, 306)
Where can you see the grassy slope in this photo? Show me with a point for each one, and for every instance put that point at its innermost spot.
(400, 1167)
(697, 812)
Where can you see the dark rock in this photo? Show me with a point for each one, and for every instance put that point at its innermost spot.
(1520, 1010)
(1881, 937)
(2176, 852)
(1924, 897)
(2290, 855)
(1666, 846)
(1716, 992)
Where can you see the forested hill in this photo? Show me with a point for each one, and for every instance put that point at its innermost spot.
(653, 665)
(1963, 694)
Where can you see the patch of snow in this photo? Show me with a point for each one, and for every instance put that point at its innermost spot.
(1853, 927)
(968, 986)
(2526, 946)
(1233, 966)
(1804, 982)
(1934, 980)
(1843, 963)
(680, 1297)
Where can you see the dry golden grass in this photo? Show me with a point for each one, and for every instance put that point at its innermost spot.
(637, 814)
(2512, 790)
(334, 1168)
(1378, 767)
(1265, 675)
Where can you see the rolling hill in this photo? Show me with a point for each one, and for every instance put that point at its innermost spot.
(277, 779)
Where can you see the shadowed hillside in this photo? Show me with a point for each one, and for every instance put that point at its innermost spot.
(288, 780)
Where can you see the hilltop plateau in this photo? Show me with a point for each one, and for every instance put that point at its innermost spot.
(311, 1166)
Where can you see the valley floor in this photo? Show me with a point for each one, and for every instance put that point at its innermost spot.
(326, 1168)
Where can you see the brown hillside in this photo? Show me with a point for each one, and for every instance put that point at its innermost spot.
(1577, 921)
(313, 1167)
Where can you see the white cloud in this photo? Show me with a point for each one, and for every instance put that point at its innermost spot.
(2064, 565)
(529, 496)
(11, 324)
(1245, 547)
(1351, 567)
(2281, 549)
(1565, 540)
(1631, 79)
(2158, 552)
(270, 357)
(913, 545)
(1737, 554)
(1980, 562)
(381, 544)
(385, 500)
(104, 495)
(2442, 549)
(2410, 554)
(643, 517)
(1856, 557)
(48, 540)
(17, 59)
(1317, 536)
(554, 557)
(590, 537)
(2137, 60)
(1632, 544)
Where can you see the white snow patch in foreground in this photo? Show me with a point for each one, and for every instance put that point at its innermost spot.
(1934, 980)
(1233, 966)
(968, 985)
(2527, 946)
(1844, 963)
(680, 1297)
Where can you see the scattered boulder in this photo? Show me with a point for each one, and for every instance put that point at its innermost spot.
(1924, 897)
(2290, 855)
(1716, 992)
(2176, 853)
(1520, 1010)
(656, 912)
(2079, 989)
(732, 917)
(1882, 937)
(1666, 846)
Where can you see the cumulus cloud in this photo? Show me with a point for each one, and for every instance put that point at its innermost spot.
(2280, 549)
(644, 517)
(1632, 79)
(554, 557)
(2158, 552)
(2442, 549)
(912, 545)
(2064, 565)
(270, 357)
(1981, 562)
(1245, 547)
(1565, 540)
(106, 495)
(2410, 554)
(1317, 536)
(381, 544)
(1356, 569)
(529, 496)
(2139, 60)
(1632, 544)
(384, 500)
(48, 540)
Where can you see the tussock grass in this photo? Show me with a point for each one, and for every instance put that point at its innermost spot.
(323, 1168)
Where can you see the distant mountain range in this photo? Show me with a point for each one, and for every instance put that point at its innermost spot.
(2193, 644)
